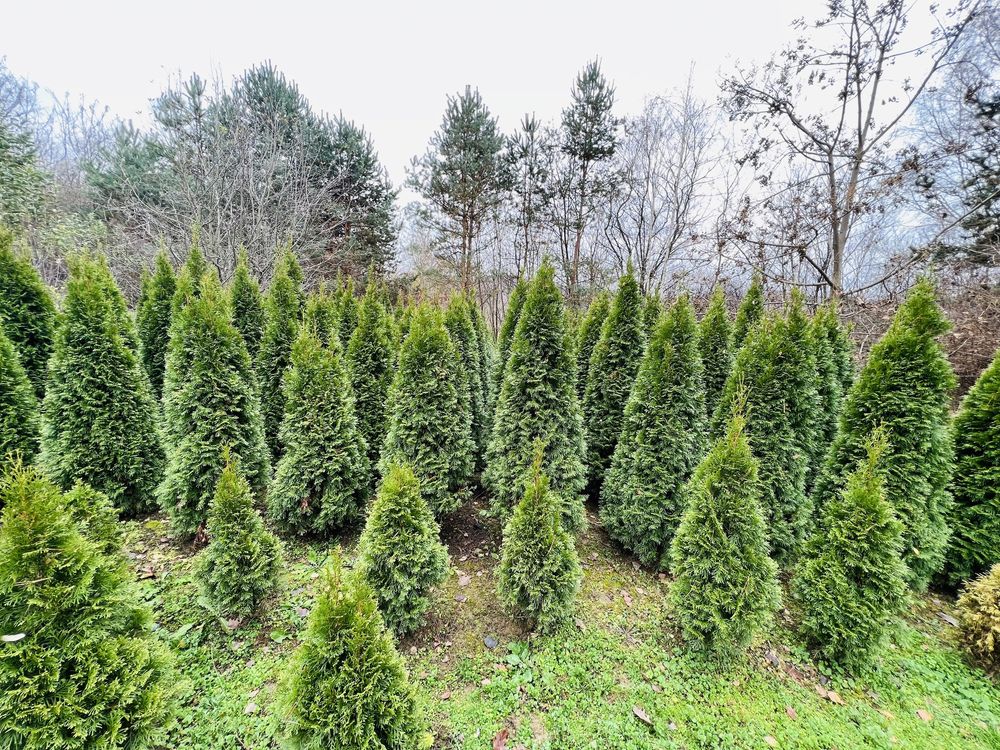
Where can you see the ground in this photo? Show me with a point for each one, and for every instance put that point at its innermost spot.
(617, 677)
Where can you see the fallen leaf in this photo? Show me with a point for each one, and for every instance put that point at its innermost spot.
(924, 715)
(445, 695)
(791, 712)
(251, 708)
(12, 638)
(642, 715)
(948, 619)
(460, 598)
(302, 611)
(500, 739)
(834, 697)
(464, 581)
(771, 741)
(626, 598)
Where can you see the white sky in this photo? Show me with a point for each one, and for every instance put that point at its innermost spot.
(389, 65)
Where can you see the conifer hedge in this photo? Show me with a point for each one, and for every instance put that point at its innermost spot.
(19, 416)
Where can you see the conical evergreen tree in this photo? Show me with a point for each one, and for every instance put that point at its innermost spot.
(801, 378)
(209, 401)
(289, 265)
(829, 384)
(851, 585)
(429, 427)
(152, 321)
(196, 266)
(487, 359)
(587, 336)
(905, 386)
(281, 316)
(321, 482)
(27, 312)
(843, 350)
(248, 305)
(347, 310)
(458, 321)
(726, 588)
(652, 309)
(240, 566)
(400, 555)
(19, 417)
(539, 574)
(507, 328)
(320, 315)
(99, 416)
(613, 366)
(87, 672)
(715, 334)
(346, 686)
(537, 401)
(750, 311)
(663, 438)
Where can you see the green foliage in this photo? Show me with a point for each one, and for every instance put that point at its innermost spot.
(27, 312)
(458, 321)
(537, 401)
(23, 196)
(347, 310)
(248, 305)
(505, 337)
(240, 566)
(209, 401)
(613, 366)
(288, 264)
(539, 574)
(429, 428)
(827, 339)
(86, 672)
(320, 315)
(979, 618)
(19, 417)
(281, 324)
(851, 584)
(726, 588)
(487, 360)
(652, 309)
(322, 480)
(587, 336)
(750, 311)
(715, 338)
(99, 416)
(663, 438)
(400, 555)
(803, 408)
(152, 321)
(905, 386)
(346, 686)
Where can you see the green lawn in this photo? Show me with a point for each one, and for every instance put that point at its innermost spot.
(618, 677)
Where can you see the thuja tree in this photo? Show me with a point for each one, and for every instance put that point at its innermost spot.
(537, 401)
(975, 517)
(19, 418)
(209, 401)
(152, 321)
(346, 686)
(586, 338)
(458, 321)
(87, 671)
(726, 588)
(400, 555)
(851, 584)
(505, 337)
(652, 309)
(539, 574)
(370, 364)
(347, 309)
(99, 416)
(322, 480)
(281, 316)
(663, 439)
(613, 366)
(750, 311)
(487, 358)
(320, 314)
(248, 305)
(430, 427)
(829, 384)
(240, 566)
(905, 386)
(800, 382)
(715, 335)
(27, 312)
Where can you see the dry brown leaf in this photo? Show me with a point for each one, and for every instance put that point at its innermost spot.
(642, 715)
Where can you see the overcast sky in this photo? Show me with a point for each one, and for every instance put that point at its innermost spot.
(389, 66)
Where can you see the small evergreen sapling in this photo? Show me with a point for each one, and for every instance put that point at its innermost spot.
(152, 321)
(715, 336)
(587, 337)
(19, 417)
(248, 305)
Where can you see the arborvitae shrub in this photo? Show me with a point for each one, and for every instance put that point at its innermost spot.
(800, 382)
(248, 306)
(537, 401)
(487, 359)
(400, 555)
(19, 418)
(346, 686)
(429, 427)
(851, 584)
(370, 364)
(829, 389)
(663, 439)
(209, 401)
(652, 309)
(505, 337)
(613, 366)
(347, 310)
(715, 334)
(458, 321)
(322, 481)
(87, 673)
(975, 517)
(587, 337)
(289, 265)
(99, 416)
(196, 266)
(320, 315)
(750, 311)
(539, 574)
(240, 566)
(726, 588)
(27, 312)
(152, 321)
(905, 386)
(281, 316)
(979, 618)
(95, 516)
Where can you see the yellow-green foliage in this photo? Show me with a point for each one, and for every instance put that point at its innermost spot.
(979, 618)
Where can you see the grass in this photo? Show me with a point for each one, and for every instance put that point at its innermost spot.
(618, 677)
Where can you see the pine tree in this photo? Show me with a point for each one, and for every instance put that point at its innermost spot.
(851, 585)
(99, 416)
(346, 686)
(458, 321)
(587, 336)
(801, 378)
(27, 312)
(429, 428)
(87, 671)
(750, 311)
(537, 401)
(248, 305)
(281, 316)
(400, 555)
(906, 386)
(152, 321)
(663, 438)
(19, 417)
(241, 564)
(209, 401)
(506, 336)
(613, 366)
(715, 336)
(975, 517)
(652, 309)
(539, 574)
(321, 482)
(726, 588)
